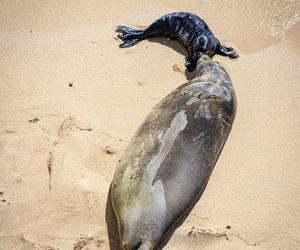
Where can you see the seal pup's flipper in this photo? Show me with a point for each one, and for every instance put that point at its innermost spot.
(226, 51)
(126, 29)
(129, 43)
(191, 62)
(190, 65)
(129, 36)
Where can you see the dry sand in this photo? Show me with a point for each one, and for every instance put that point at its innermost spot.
(253, 197)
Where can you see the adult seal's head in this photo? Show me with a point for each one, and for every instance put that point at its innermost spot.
(166, 166)
(190, 30)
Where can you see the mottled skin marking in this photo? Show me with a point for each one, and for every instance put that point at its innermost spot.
(167, 164)
(190, 30)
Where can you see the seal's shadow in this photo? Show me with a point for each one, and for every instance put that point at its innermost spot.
(112, 225)
(175, 45)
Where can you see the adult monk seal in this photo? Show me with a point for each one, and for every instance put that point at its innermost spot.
(166, 166)
(190, 30)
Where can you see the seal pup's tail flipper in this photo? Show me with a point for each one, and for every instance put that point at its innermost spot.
(129, 43)
(125, 29)
(129, 36)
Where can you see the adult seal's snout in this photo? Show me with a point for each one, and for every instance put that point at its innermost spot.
(190, 30)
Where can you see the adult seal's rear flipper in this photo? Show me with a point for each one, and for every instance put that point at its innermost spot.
(167, 165)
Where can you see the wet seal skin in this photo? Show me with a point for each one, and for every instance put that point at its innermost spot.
(190, 30)
(166, 166)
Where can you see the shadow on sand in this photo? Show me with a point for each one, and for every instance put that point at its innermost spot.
(176, 46)
(112, 225)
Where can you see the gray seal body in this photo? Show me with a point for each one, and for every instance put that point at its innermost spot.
(166, 166)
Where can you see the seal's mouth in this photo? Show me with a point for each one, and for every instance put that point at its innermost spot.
(202, 62)
(203, 59)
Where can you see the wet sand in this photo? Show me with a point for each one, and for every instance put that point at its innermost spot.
(70, 100)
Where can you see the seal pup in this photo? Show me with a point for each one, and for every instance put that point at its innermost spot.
(190, 30)
(166, 166)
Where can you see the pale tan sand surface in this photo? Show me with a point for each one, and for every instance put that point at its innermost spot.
(253, 197)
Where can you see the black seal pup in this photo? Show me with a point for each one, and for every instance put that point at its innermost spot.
(190, 30)
(166, 166)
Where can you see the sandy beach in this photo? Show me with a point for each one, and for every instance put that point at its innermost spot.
(71, 99)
